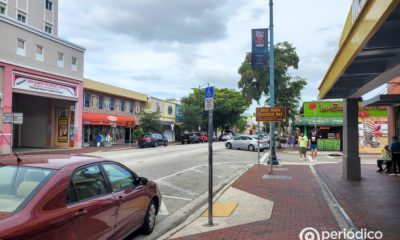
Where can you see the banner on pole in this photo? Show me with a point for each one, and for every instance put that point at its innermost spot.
(259, 51)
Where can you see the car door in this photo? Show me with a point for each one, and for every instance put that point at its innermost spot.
(236, 142)
(131, 197)
(246, 142)
(91, 205)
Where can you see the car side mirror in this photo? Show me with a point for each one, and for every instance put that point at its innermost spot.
(143, 181)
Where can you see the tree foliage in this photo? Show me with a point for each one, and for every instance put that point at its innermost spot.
(241, 124)
(150, 122)
(228, 108)
(255, 82)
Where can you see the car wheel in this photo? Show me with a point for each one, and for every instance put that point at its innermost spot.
(229, 145)
(251, 148)
(262, 150)
(150, 219)
(155, 144)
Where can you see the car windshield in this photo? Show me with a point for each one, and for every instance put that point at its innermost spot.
(146, 136)
(18, 184)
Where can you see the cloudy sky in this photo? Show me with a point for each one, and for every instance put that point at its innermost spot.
(166, 47)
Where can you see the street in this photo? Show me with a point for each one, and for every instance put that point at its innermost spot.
(181, 171)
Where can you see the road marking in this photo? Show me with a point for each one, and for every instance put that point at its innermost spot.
(179, 198)
(178, 188)
(204, 172)
(163, 209)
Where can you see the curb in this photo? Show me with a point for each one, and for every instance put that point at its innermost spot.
(221, 188)
(342, 218)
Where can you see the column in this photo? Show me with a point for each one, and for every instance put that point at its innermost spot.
(351, 157)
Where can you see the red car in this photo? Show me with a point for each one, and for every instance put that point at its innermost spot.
(73, 197)
(202, 138)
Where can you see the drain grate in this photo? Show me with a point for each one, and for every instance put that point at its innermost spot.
(279, 177)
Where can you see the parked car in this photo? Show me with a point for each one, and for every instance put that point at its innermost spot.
(225, 137)
(202, 138)
(247, 142)
(52, 196)
(152, 140)
(189, 138)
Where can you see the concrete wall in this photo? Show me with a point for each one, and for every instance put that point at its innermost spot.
(51, 47)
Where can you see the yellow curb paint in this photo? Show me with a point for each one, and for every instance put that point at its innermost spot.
(222, 209)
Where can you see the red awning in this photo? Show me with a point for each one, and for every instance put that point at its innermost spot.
(108, 119)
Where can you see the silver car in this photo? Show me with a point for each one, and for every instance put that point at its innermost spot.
(247, 142)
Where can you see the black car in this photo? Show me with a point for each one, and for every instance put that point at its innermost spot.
(152, 140)
(190, 138)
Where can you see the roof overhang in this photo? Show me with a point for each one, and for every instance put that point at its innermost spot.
(383, 100)
(369, 53)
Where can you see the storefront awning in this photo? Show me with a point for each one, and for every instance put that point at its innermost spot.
(320, 121)
(108, 119)
(369, 51)
(383, 100)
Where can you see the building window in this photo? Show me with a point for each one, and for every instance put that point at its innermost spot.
(117, 105)
(74, 65)
(21, 48)
(39, 53)
(87, 99)
(21, 17)
(106, 103)
(49, 5)
(101, 102)
(60, 59)
(123, 106)
(48, 28)
(127, 106)
(112, 104)
(95, 101)
(2, 8)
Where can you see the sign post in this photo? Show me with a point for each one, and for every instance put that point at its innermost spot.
(209, 106)
(271, 115)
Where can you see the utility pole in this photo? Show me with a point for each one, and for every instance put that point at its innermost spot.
(273, 158)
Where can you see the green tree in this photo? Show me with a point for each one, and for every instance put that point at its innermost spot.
(228, 108)
(255, 82)
(241, 124)
(150, 122)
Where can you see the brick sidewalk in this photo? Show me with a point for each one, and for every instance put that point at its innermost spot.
(372, 203)
(298, 203)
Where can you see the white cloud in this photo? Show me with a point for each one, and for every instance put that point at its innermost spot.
(165, 48)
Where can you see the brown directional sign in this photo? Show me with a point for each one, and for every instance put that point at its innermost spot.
(270, 114)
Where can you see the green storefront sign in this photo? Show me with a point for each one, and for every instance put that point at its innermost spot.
(335, 109)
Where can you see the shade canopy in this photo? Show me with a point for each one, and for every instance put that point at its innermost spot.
(383, 100)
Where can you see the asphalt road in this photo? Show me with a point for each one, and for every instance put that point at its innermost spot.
(181, 171)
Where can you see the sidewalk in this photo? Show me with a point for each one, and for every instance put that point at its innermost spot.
(280, 206)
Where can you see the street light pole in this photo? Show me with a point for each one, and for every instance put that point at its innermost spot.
(273, 158)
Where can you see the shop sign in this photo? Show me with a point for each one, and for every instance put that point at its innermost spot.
(43, 87)
(335, 109)
(270, 114)
(112, 118)
(7, 118)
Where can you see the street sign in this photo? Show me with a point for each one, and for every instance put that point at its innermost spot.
(18, 118)
(7, 118)
(209, 104)
(209, 92)
(270, 114)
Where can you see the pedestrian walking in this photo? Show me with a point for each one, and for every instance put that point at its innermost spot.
(395, 151)
(314, 146)
(303, 144)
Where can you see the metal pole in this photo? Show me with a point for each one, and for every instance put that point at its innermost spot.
(258, 142)
(210, 168)
(270, 155)
(272, 81)
(12, 135)
(130, 136)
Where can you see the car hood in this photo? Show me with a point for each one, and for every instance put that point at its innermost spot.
(5, 216)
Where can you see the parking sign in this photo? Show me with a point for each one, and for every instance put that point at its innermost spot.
(209, 92)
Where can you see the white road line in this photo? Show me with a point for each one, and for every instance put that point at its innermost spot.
(179, 198)
(163, 209)
(187, 191)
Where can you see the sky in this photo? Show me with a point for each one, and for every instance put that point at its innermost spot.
(164, 48)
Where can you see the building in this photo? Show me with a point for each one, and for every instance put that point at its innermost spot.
(167, 110)
(368, 57)
(327, 118)
(110, 110)
(41, 76)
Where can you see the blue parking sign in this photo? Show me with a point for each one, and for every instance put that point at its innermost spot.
(209, 92)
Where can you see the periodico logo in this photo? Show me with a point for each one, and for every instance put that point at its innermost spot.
(310, 233)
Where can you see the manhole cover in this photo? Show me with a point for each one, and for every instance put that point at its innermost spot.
(279, 177)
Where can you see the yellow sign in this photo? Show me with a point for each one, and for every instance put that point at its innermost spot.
(267, 114)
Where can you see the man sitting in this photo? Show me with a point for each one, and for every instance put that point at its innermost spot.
(386, 159)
